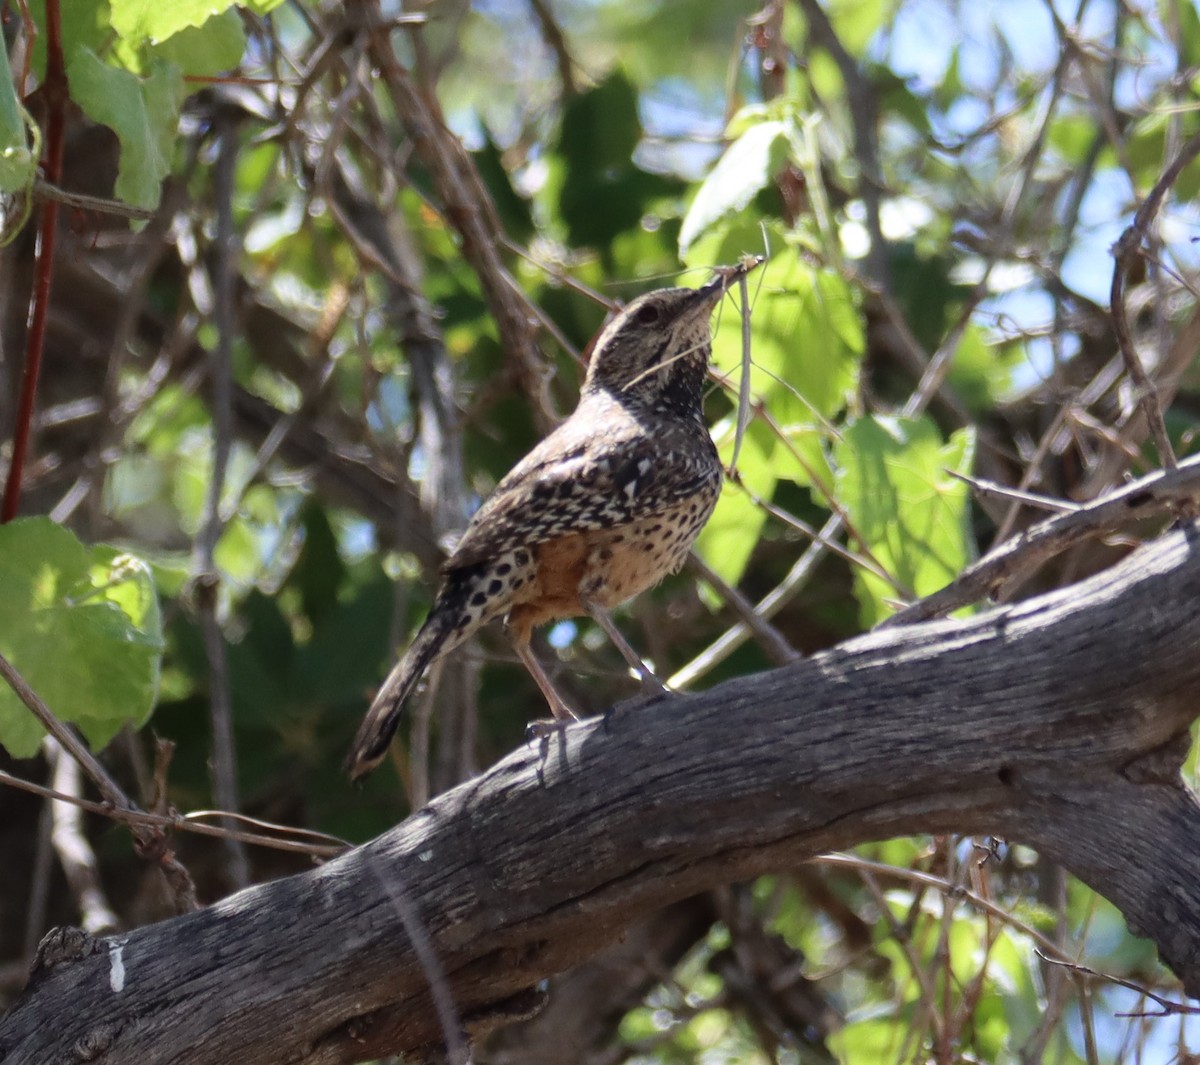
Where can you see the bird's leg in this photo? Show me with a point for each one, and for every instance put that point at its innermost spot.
(650, 683)
(519, 632)
(558, 705)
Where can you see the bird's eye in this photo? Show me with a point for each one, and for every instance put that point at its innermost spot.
(648, 314)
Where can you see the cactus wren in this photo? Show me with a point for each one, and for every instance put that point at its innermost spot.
(603, 508)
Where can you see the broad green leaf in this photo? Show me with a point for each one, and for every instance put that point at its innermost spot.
(731, 534)
(143, 112)
(513, 209)
(82, 626)
(806, 340)
(982, 370)
(925, 291)
(84, 23)
(603, 192)
(910, 513)
(950, 88)
(727, 241)
(800, 457)
(207, 50)
(1071, 135)
(153, 21)
(319, 571)
(748, 166)
(238, 555)
(1012, 963)
(350, 649)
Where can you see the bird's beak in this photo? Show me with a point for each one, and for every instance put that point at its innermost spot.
(725, 277)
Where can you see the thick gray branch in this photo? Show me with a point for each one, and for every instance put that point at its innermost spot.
(1060, 722)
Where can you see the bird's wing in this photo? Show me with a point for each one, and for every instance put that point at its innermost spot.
(580, 481)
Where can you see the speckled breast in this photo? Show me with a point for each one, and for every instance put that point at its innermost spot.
(627, 560)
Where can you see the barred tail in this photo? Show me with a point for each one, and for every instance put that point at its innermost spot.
(441, 632)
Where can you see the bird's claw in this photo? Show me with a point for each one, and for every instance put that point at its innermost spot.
(544, 728)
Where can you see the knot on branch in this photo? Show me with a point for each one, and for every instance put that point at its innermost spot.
(62, 946)
(1160, 765)
(92, 1046)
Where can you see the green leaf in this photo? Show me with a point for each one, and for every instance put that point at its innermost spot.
(728, 539)
(1013, 964)
(806, 340)
(516, 216)
(950, 88)
(982, 370)
(141, 22)
(84, 22)
(144, 114)
(875, 1039)
(319, 570)
(930, 299)
(82, 626)
(749, 164)
(207, 50)
(911, 514)
(603, 191)
(350, 650)
(1071, 135)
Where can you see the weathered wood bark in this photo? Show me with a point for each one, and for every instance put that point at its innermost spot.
(1060, 722)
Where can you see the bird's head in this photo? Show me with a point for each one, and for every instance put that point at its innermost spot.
(655, 352)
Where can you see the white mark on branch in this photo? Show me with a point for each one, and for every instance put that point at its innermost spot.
(116, 975)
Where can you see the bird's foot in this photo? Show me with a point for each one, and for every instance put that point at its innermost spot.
(544, 728)
(652, 687)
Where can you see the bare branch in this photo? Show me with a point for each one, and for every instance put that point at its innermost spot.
(469, 209)
(1017, 722)
(1126, 251)
(207, 580)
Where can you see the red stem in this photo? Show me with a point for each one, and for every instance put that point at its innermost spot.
(56, 93)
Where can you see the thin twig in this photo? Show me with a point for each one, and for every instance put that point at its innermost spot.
(39, 885)
(469, 209)
(926, 989)
(861, 558)
(773, 642)
(457, 1052)
(743, 407)
(67, 739)
(1125, 252)
(43, 190)
(207, 581)
(767, 607)
(862, 98)
(1169, 1006)
(556, 41)
(183, 822)
(990, 489)
(914, 876)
